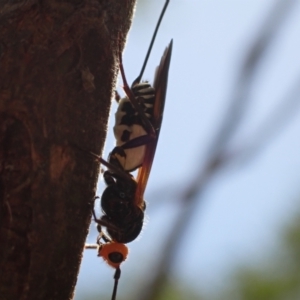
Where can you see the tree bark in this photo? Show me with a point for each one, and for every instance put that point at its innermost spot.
(58, 66)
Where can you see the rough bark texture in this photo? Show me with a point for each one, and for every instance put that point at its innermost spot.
(58, 63)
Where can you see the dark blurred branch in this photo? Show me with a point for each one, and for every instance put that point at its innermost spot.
(240, 98)
(216, 154)
(272, 126)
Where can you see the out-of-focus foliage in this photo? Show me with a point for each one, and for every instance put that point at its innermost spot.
(277, 278)
(176, 291)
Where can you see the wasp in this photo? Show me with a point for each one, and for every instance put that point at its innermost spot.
(138, 123)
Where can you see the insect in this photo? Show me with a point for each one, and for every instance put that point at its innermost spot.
(138, 123)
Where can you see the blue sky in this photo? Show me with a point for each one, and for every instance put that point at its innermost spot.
(245, 204)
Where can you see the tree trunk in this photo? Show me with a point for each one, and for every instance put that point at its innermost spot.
(58, 66)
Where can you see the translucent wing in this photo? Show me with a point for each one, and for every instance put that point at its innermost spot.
(160, 86)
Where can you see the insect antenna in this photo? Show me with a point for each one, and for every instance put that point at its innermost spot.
(138, 79)
(116, 277)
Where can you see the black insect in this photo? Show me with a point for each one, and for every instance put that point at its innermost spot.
(138, 123)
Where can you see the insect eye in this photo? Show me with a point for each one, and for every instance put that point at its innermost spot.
(116, 257)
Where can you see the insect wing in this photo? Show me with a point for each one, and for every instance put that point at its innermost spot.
(160, 86)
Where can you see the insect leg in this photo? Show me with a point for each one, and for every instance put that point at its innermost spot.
(98, 244)
(114, 168)
(119, 151)
(148, 126)
(103, 221)
(117, 96)
(102, 236)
